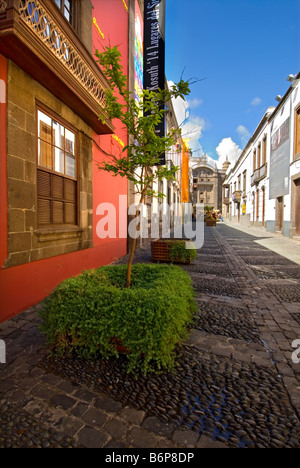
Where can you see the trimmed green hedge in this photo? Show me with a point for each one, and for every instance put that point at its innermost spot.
(179, 251)
(84, 313)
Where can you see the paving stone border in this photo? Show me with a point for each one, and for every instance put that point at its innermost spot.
(230, 392)
(277, 326)
(229, 321)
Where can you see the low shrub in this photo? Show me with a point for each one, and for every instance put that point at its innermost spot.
(86, 314)
(179, 252)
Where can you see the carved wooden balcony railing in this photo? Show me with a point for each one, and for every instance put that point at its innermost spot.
(259, 174)
(35, 36)
(237, 196)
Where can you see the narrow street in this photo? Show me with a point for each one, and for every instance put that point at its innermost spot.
(235, 384)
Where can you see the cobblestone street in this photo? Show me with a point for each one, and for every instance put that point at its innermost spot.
(235, 384)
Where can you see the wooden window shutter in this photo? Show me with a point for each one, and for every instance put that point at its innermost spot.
(44, 193)
(70, 213)
(57, 199)
(44, 211)
(259, 163)
(71, 197)
(58, 212)
(44, 183)
(70, 190)
(57, 187)
(57, 196)
(265, 150)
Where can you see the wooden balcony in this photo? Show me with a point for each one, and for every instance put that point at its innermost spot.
(237, 196)
(35, 36)
(259, 174)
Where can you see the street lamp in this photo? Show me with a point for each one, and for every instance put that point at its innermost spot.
(278, 98)
(291, 78)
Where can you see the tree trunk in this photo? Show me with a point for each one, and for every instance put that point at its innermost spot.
(132, 252)
(133, 247)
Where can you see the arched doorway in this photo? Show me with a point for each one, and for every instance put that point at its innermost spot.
(263, 206)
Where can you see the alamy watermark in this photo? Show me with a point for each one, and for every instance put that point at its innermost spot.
(178, 221)
(2, 352)
(296, 354)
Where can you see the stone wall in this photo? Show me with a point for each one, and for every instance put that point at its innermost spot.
(27, 243)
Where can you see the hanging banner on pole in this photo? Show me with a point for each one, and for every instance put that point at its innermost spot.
(185, 182)
(154, 52)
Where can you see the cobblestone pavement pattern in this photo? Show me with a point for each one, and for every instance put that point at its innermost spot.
(235, 384)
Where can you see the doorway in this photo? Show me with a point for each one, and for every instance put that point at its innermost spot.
(263, 207)
(257, 206)
(297, 206)
(279, 214)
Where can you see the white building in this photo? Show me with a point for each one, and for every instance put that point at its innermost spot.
(263, 187)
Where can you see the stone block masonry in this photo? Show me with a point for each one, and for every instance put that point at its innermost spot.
(26, 242)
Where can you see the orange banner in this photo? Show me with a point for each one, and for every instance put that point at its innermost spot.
(185, 179)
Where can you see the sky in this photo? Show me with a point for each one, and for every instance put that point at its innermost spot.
(241, 51)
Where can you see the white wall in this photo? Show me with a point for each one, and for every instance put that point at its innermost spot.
(275, 120)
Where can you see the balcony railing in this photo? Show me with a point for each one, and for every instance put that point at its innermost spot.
(259, 174)
(237, 196)
(38, 39)
(205, 182)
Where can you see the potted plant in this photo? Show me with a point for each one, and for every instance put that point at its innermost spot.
(209, 218)
(172, 251)
(94, 314)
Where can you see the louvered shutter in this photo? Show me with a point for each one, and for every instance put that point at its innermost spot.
(57, 187)
(44, 194)
(70, 198)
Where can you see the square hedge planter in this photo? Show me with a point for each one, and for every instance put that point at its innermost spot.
(161, 250)
(211, 222)
(94, 316)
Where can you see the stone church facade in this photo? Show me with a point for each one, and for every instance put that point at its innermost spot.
(207, 180)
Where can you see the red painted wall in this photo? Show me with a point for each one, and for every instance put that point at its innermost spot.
(110, 28)
(26, 285)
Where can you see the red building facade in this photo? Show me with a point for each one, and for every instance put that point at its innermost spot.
(51, 139)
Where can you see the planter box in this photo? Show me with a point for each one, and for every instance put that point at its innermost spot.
(117, 343)
(94, 315)
(160, 250)
(211, 222)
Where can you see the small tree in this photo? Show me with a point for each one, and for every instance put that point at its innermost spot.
(141, 164)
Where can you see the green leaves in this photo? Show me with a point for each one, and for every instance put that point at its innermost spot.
(141, 120)
(179, 252)
(83, 314)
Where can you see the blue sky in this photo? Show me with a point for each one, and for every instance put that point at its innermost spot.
(245, 50)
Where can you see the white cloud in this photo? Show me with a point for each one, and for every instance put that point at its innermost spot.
(194, 103)
(256, 101)
(228, 149)
(192, 126)
(243, 133)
